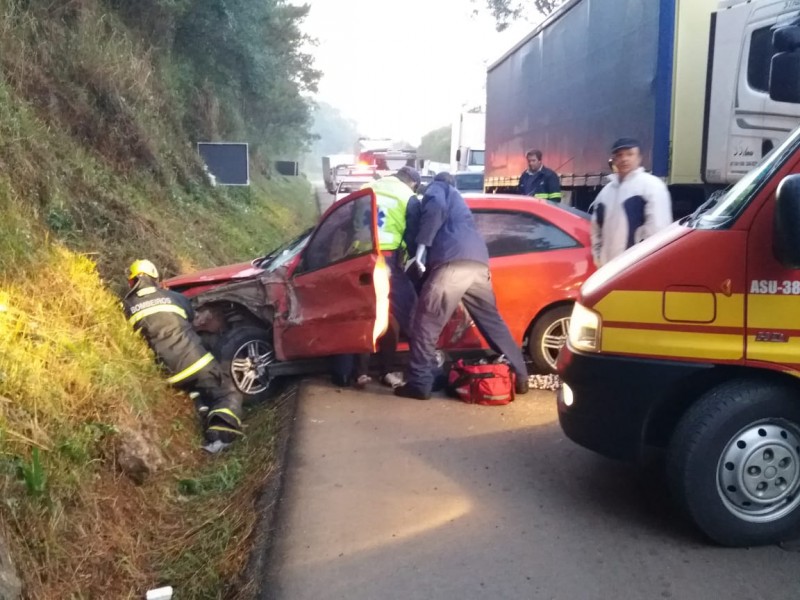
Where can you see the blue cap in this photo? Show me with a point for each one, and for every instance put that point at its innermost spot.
(624, 144)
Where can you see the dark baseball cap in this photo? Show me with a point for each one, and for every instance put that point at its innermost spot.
(410, 173)
(624, 144)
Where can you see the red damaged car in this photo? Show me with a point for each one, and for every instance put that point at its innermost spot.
(325, 292)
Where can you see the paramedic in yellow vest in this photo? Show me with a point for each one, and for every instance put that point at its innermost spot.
(392, 195)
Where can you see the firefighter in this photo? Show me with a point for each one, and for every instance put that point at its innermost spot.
(164, 318)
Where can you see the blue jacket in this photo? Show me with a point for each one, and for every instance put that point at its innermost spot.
(447, 228)
(544, 184)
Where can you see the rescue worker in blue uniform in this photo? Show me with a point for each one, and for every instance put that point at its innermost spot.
(164, 318)
(450, 247)
(539, 181)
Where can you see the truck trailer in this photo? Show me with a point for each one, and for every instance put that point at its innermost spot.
(693, 80)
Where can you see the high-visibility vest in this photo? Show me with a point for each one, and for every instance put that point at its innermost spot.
(392, 197)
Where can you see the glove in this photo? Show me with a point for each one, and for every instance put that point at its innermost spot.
(419, 259)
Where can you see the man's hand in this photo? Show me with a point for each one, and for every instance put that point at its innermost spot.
(419, 260)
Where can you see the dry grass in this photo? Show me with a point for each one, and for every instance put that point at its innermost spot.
(93, 174)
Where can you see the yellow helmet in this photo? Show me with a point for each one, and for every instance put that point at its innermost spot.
(142, 267)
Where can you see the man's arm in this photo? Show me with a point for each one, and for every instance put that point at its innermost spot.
(598, 216)
(553, 186)
(432, 215)
(413, 213)
(658, 208)
(521, 184)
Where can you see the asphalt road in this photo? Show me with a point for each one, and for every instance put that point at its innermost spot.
(391, 498)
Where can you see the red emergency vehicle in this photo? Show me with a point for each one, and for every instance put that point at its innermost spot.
(690, 342)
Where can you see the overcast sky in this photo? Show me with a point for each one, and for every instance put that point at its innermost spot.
(443, 47)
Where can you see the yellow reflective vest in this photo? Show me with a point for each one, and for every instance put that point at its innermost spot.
(392, 197)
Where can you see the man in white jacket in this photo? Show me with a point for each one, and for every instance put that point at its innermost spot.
(631, 207)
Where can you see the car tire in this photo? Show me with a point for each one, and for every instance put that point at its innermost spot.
(733, 464)
(243, 353)
(550, 329)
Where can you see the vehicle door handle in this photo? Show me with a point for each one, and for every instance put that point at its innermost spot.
(365, 279)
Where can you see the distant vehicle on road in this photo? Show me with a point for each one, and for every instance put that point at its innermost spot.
(322, 293)
(351, 184)
(330, 165)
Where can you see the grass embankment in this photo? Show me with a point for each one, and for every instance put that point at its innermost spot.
(73, 377)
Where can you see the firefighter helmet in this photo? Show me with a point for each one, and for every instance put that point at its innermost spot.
(142, 267)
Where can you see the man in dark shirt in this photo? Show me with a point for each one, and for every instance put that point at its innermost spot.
(539, 181)
(449, 246)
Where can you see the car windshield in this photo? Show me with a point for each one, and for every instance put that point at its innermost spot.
(477, 158)
(469, 182)
(721, 210)
(285, 253)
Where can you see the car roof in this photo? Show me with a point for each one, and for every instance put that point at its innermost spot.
(545, 208)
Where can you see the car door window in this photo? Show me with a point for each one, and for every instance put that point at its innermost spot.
(345, 233)
(511, 232)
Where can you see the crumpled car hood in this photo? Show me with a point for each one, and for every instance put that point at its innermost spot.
(218, 274)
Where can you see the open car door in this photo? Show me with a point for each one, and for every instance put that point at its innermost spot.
(338, 293)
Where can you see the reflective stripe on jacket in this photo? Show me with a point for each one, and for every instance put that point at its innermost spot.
(164, 318)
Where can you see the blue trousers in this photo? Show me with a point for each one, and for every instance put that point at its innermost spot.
(402, 294)
(447, 285)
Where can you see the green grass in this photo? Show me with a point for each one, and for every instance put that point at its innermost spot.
(218, 503)
(96, 173)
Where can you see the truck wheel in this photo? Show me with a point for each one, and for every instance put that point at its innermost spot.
(244, 353)
(734, 463)
(548, 337)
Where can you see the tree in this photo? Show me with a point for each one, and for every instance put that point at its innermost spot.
(435, 145)
(505, 11)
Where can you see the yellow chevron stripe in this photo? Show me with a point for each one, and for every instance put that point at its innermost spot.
(649, 307)
(157, 309)
(773, 312)
(673, 344)
(196, 367)
(776, 352)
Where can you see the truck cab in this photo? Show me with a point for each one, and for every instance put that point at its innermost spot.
(689, 343)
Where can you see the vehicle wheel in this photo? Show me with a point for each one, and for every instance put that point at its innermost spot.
(547, 338)
(244, 353)
(734, 463)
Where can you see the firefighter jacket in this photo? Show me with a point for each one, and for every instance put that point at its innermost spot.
(543, 184)
(164, 318)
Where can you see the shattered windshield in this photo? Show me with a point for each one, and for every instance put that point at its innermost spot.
(284, 254)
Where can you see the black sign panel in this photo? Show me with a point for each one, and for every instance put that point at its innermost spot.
(287, 167)
(227, 162)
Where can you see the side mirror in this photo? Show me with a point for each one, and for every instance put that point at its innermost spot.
(786, 242)
(784, 72)
(458, 155)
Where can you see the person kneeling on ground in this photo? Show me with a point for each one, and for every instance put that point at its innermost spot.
(164, 318)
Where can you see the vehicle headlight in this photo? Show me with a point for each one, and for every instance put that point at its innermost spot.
(584, 329)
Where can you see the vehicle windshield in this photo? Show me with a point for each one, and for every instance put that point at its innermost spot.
(721, 210)
(476, 158)
(469, 182)
(285, 253)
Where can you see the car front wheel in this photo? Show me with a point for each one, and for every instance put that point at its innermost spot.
(245, 353)
(548, 337)
(734, 463)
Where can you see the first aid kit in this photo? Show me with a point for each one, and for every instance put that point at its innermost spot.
(481, 382)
